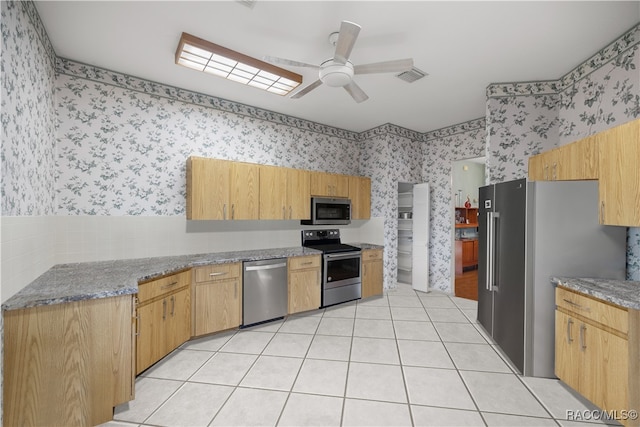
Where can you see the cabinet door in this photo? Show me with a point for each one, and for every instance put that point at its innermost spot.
(329, 184)
(178, 320)
(619, 175)
(273, 192)
(298, 201)
(360, 195)
(568, 359)
(372, 278)
(244, 191)
(207, 188)
(151, 343)
(541, 166)
(218, 306)
(304, 290)
(604, 380)
(578, 160)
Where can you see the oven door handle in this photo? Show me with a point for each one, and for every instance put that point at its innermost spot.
(343, 255)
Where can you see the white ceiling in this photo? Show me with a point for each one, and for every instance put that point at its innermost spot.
(463, 46)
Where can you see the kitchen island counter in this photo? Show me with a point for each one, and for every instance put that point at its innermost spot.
(624, 293)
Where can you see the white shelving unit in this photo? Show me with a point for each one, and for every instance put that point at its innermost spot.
(413, 235)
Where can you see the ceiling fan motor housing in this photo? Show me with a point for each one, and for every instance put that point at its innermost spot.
(334, 74)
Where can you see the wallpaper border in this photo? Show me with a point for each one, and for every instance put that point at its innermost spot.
(549, 87)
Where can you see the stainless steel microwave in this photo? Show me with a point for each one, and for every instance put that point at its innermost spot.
(329, 211)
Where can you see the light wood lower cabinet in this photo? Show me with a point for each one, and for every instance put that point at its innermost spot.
(164, 317)
(218, 298)
(372, 272)
(598, 351)
(304, 283)
(68, 364)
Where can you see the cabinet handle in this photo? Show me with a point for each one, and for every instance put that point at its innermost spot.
(233, 211)
(224, 211)
(284, 212)
(290, 212)
(164, 309)
(220, 273)
(555, 169)
(569, 325)
(169, 285)
(602, 212)
(173, 305)
(235, 290)
(546, 172)
(583, 332)
(307, 263)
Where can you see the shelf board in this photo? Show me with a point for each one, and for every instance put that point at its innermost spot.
(466, 225)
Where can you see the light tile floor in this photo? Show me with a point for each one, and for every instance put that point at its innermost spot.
(406, 358)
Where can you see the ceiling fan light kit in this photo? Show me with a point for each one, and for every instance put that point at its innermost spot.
(339, 71)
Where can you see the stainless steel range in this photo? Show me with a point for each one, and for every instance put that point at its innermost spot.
(341, 275)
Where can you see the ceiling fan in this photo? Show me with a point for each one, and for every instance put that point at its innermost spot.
(339, 71)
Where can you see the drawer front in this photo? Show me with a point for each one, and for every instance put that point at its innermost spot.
(297, 263)
(600, 312)
(371, 254)
(217, 272)
(164, 285)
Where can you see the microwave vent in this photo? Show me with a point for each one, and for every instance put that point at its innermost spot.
(412, 75)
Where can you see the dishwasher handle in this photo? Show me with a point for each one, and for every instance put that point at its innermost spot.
(265, 267)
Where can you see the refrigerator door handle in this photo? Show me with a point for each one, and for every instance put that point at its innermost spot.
(489, 252)
(495, 259)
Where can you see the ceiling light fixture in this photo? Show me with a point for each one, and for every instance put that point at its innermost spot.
(201, 55)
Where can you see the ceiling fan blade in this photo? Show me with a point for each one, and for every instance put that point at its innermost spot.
(356, 92)
(306, 90)
(282, 61)
(397, 65)
(346, 39)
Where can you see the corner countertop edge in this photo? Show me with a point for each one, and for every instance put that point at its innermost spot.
(624, 293)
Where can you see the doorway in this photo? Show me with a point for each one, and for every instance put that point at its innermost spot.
(467, 176)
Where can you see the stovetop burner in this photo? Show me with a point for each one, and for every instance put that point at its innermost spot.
(327, 241)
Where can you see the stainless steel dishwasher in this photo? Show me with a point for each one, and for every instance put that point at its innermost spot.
(264, 293)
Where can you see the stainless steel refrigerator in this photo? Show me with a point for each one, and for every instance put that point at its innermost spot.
(529, 232)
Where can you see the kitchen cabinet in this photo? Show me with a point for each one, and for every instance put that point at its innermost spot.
(217, 301)
(164, 317)
(221, 189)
(360, 195)
(466, 254)
(329, 184)
(68, 363)
(466, 217)
(372, 272)
(575, 161)
(619, 186)
(284, 193)
(611, 157)
(304, 283)
(598, 351)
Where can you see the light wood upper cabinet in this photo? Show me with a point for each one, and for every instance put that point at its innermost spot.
(221, 189)
(372, 272)
(304, 283)
(284, 193)
(218, 298)
(619, 187)
(575, 161)
(612, 157)
(598, 351)
(329, 184)
(360, 195)
(68, 364)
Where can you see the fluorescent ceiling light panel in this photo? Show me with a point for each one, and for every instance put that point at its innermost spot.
(199, 54)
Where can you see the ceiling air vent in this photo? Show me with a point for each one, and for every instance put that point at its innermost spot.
(412, 75)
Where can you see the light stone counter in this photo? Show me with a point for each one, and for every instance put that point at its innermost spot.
(625, 293)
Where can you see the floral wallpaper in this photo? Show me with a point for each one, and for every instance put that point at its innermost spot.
(123, 152)
(526, 118)
(458, 142)
(27, 114)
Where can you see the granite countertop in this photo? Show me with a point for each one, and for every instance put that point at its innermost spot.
(90, 280)
(625, 293)
(365, 246)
